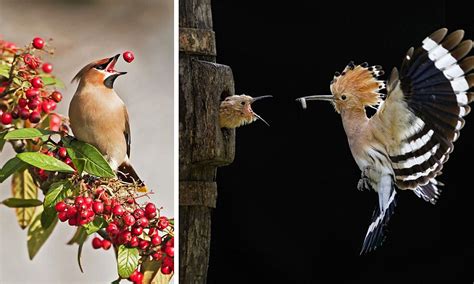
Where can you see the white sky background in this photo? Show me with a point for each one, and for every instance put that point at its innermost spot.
(84, 31)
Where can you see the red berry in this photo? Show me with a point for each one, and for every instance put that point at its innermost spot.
(32, 93)
(36, 82)
(96, 243)
(133, 242)
(138, 278)
(63, 216)
(166, 270)
(34, 117)
(62, 152)
(168, 261)
(79, 201)
(151, 216)
(138, 213)
(46, 106)
(156, 240)
(72, 221)
(33, 104)
(157, 255)
(98, 207)
(133, 276)
(170, 243)
(128, 56)
(124, 237)
(106, 244)
(144, 244)
(6, 118)
(150, 208)
(38, 43)
(68, 161)
(16, 112)
(118, 210)
(163, 223)
(52, 105)
(88, 201)
(128, 219)
(142, 222)
(56, 96)
(47, 67)
(71, 212)
(22, 102)
(169, 251)
(24, 113)
(152, 232)
(112, 228)
(137, 231)
(60, 206)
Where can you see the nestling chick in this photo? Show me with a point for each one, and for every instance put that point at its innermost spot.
(236, 111)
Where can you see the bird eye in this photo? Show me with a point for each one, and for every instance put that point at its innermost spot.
(343, 97)
(242, 103)
(100, 67)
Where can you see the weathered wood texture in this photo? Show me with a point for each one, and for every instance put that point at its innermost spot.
(203, 146)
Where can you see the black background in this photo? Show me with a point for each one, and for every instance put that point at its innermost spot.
(288, 208)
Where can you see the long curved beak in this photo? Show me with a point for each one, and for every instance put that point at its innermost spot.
(259, 117)
(259, 98)
(303, 100)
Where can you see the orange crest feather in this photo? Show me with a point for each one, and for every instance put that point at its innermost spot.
(360, 81)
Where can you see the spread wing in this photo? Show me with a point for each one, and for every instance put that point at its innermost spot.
(424, 109)
(126, 132)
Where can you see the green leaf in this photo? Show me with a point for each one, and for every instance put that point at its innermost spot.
(48, 217)
(23, 186)
(95, 225)
(80, 163)
(79, 254)
(37, 235)
(127, 261)
(10, 167)
(49, 80)
(27, 133)
(95, 163)
(21, 203)
(4, 70)
(79, 237)
(45, 162)
(57, 191)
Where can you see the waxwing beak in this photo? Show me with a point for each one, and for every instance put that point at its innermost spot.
(111, 65)
(303, 100)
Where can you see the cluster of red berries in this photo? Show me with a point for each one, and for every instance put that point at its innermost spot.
(127, 224)
(78, 212)
(35, 100)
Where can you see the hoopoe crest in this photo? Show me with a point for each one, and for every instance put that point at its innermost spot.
(404, 145)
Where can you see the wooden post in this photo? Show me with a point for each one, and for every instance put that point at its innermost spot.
(203, 146)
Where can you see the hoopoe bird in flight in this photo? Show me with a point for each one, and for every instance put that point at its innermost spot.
(237, 110)
(406, 142)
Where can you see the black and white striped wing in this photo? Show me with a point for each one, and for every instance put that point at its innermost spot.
(435, 86)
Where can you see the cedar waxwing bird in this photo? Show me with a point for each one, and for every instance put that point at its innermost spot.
(99, 117)
(237, 110)
(406, 142)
